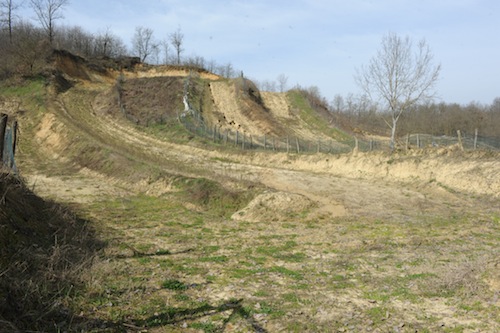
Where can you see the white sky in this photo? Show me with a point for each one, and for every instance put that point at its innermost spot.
(317, 42)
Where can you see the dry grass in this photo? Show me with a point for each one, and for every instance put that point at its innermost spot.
(44, 249)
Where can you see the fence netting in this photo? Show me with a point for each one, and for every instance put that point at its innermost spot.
(193, 122)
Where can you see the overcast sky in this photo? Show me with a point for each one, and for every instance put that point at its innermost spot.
(317, 42)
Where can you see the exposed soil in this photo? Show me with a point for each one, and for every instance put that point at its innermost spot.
(241, 112)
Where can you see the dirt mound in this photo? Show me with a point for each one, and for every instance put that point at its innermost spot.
(274, 206)
(105, 69)
(71, 65)
(51, 136)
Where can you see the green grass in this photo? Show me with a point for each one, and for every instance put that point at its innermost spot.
(30, 89)
(215, 259)
(206, 327)
(311, 117)
(173, 284)
(286, 272)
(377, 314)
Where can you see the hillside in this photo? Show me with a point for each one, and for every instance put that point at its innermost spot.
(190, 235)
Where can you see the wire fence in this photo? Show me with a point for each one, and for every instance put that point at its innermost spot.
(467, 142)
(245, 141)
(193, 122)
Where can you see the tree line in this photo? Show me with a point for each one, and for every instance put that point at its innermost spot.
(25, 44)
(360, 114)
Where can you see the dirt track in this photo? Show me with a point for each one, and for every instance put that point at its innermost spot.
(335, 185)
(375, 184)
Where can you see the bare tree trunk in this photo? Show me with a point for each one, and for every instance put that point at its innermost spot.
(393, 133)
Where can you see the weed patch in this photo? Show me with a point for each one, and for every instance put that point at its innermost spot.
(212, 196)
(171, 284)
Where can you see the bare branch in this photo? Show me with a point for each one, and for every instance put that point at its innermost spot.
(47, 11)
(399, 77)
(7, 14)
(177, 39)
(143, 43)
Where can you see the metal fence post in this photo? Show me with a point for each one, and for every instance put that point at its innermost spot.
(460, 144)
(14, 142)
(3, 126)
(475, 139)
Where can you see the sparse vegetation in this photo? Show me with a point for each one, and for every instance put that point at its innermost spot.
(314, 111)
(387, 267)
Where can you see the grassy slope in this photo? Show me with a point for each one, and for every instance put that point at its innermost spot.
(312, 119)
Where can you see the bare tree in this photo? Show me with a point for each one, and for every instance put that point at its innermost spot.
(102, 43)
(7, 9)
(155, 54)
(495, 105)
(211, 66)
(30, 48)
(282, 82)
(143, 43)
(109, 45)
(228, 71)
(400, 77)
(338, 103)
(177, 39)
(165, 48)
(75, 39)
(47, 11)
(266, 85)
